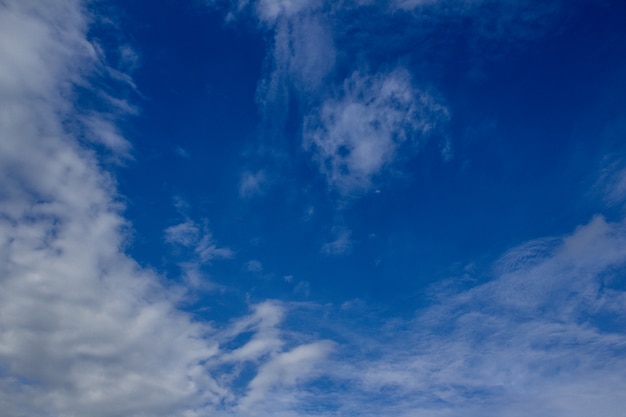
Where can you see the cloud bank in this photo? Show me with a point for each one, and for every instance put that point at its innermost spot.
(84, 330)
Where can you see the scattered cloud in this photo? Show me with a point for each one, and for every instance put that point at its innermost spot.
(533, 340)
(87, 331)
(278, 380)
(356, 136)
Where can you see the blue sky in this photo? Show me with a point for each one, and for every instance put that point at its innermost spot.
(309, 208)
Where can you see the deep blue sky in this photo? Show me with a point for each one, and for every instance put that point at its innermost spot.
(299, 208)
(522, 105)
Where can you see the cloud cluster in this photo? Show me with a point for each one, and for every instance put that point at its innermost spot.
(357, 135)
(354, 110)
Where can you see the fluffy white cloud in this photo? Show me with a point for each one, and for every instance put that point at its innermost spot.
(357, 135)
(84, 330)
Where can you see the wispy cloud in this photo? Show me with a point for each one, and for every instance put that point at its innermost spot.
(543, 337)
(285, 363)
(87, 331)
(329, 58)
(199, 239)
(278, 380)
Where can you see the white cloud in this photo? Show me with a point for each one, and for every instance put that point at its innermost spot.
(353, 136)
(284, 365)
(185, 234)
(543, 337)
(208, 250)
(189, 234)
(104, 132)
(357, 136)
(301, 57)
(264, 322)
(85, 331)
(269, 11)
(276, 384)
